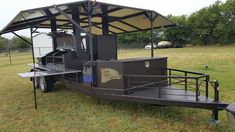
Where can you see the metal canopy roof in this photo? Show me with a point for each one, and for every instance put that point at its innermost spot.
(121, 19)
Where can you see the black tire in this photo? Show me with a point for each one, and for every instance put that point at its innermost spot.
(46, 84)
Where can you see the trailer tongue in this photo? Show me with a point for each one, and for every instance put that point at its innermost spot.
(85, 55)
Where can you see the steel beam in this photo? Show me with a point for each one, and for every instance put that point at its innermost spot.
(77, 32)
(54, 29)
(105, 21)
(34, 79)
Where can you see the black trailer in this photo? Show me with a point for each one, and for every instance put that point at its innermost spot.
(87, 57)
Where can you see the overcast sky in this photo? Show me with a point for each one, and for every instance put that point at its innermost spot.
(9, 8)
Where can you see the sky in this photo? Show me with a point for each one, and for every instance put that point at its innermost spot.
(10, 8)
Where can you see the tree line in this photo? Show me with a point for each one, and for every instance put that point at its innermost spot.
(14, 43)
(210, 25)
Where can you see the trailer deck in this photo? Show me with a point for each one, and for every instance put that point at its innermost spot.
(176, 94)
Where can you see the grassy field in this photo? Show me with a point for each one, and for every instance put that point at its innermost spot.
(66, 110)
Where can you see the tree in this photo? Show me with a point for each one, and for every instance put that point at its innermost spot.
(2, 42)
(18, 43)
(209, 25)
(179, 34)
(226, 27)
(134, 40)
(213, 24)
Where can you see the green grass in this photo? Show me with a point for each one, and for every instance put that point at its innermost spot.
(66, 110)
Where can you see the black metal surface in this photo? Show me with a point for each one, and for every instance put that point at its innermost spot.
(189, 80)
(123, 67)
(152, 48)
(34, 88)
(216, 90)
(54, 29)
(197, 90)
(105, 47)
(181, 100)
(63, 59)
(77, 32)
(105, 21)
(170, 93)
(148, 99)
(91, 44)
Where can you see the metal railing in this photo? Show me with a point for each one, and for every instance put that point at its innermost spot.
(198, 79)
(187, 80)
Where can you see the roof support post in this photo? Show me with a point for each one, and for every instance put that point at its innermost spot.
(105, 20)
(33, 80)
(152, 48)
(77, 32)
(54, 29)
(152, 16)
(89, 13)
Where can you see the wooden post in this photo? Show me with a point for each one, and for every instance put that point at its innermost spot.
(9, 50)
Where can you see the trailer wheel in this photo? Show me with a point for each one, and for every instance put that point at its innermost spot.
(46, 84)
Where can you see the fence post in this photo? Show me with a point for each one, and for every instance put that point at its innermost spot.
(9, 52)
(9, 43)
